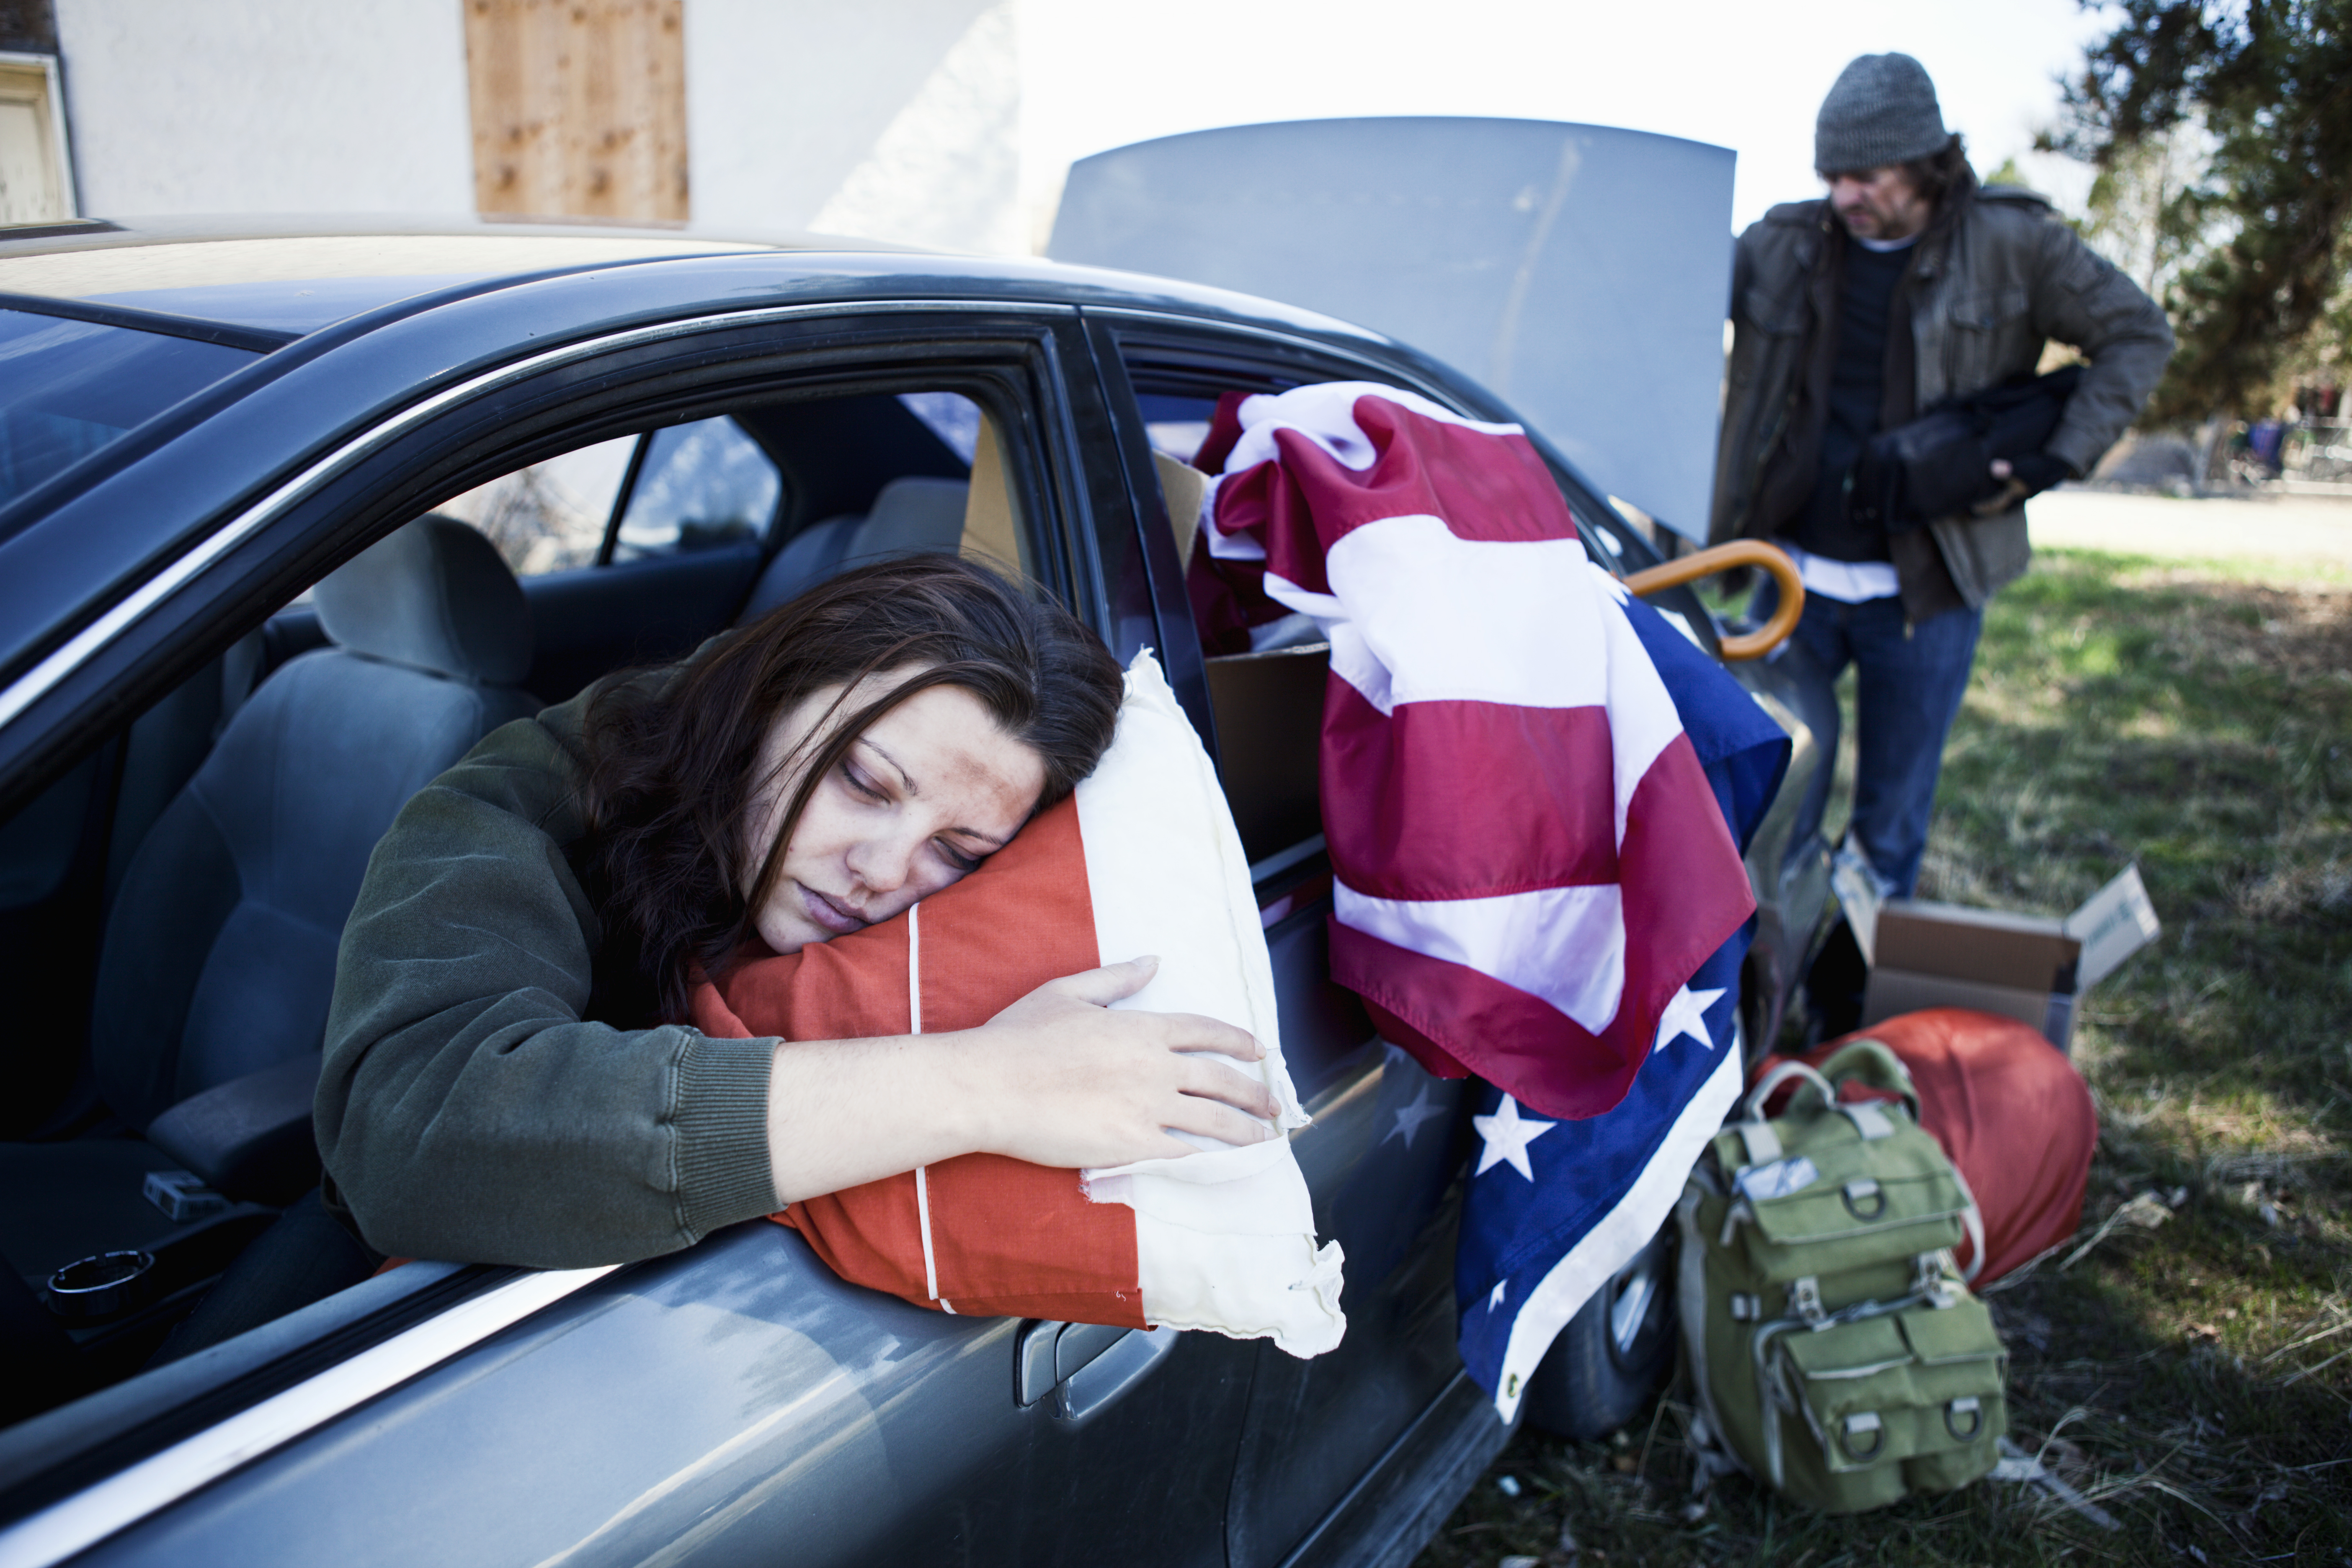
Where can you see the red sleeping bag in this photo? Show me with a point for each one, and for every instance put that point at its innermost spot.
(2012, 1114)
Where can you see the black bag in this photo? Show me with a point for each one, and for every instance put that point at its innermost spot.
(1941, 463)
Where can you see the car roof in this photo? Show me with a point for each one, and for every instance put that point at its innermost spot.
(295, 275)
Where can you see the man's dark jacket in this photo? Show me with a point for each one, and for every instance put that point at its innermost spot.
(1994, 276)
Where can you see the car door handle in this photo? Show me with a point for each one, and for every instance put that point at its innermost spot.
(1083, 1366)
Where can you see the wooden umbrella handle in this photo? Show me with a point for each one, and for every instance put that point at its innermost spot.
(1721, 557)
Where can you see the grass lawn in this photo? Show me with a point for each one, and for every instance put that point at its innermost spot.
(2193, 1376)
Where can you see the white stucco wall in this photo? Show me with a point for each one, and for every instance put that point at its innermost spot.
(268, 106)
(896, 122)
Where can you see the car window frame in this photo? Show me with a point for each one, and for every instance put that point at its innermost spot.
(146, 634)
(1010, 355)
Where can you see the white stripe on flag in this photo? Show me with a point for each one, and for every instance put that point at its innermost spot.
(1642, 721)
(1566, 946)
(915, 1026)
(1618, 1236)
(923, 1219)
(914, 971)
(1430, 617)
(1417, 614)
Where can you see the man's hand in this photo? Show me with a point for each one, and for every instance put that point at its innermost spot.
(2023, 478)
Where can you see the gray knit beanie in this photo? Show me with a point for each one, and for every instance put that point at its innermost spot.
(1882, 110)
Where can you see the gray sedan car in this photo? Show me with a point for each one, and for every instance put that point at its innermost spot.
(662, 435)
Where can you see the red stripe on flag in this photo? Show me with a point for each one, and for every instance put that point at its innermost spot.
(1685, 893)
(1486, 487)
(1553, 1065)
(1468, 800)
(1686, 890)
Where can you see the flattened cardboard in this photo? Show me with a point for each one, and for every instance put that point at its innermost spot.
(2113, 923)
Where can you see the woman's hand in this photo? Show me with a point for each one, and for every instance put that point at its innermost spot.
(1061, 1080)
(1057, 1078)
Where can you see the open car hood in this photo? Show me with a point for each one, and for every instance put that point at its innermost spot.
(1579, 271)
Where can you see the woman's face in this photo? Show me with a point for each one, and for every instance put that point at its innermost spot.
(931, 789)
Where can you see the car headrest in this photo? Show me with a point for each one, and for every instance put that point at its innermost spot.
(434, 595)
(912, 512)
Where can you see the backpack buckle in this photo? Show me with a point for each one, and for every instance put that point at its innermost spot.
(1967, 1408)
(1805, 1301)
(1929, 1281)
(1866, 1426)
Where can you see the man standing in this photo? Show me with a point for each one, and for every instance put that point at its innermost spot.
(1908, 284)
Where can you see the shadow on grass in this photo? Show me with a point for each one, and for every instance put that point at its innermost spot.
(2188, 1377)
(2117, 1380)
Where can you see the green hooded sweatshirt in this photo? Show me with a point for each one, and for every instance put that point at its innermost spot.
(466, 1109)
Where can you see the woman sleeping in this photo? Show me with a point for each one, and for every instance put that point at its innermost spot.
(509, 1075)
(1143, 856)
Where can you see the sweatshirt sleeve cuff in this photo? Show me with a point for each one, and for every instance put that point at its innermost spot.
(2071, 448)
(723, 1171)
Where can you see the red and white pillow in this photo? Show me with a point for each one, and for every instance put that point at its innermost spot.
(1143, 859)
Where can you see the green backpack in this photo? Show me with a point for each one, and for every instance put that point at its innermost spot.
(1837, 1353)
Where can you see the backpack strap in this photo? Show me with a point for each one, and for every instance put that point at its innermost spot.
(1870, 1062)
(1762, 1095)
(1972, 1221)
(1869, 1120)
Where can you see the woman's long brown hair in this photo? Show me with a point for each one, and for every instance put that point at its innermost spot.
(670, 758)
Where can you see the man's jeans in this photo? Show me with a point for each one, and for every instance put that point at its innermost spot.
(1908, 691)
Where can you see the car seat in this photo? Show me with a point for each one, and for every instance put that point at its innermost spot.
(912, 513)
(218, 958)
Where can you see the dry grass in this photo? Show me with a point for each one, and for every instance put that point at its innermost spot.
(2194, 1378)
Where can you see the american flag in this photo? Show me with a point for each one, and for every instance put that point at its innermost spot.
(1536, 793)
(1555, 1208)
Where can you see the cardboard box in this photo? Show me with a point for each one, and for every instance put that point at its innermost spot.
(2026, 967)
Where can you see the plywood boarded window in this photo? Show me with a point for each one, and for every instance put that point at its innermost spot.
(35, 183)
(579, 108)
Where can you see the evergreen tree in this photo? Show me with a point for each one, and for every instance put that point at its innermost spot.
(2254, 248)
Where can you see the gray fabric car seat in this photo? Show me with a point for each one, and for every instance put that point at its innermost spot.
(808, 558)
(911, 513)
(219, 955)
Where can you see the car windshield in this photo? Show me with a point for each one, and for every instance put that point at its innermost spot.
(68, 388)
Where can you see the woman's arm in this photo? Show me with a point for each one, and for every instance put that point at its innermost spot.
(1056, 1079)
(466, 1111)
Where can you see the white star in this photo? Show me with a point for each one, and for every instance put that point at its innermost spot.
(1508, 1136)
(1686, 1014)
(1409, 1118)
(1494, 1297)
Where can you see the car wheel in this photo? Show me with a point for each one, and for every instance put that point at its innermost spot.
(1614, 1352)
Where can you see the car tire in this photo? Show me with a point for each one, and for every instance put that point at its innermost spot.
(1614, 1353)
